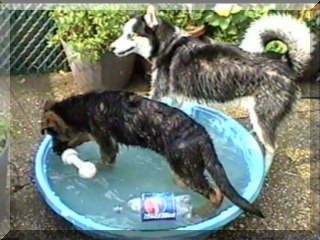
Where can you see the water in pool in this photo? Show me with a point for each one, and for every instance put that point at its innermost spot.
(105, 197)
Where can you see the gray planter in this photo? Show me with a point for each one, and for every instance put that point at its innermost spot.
(111, 72)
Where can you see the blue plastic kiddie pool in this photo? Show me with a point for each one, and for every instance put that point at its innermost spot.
(98, 206)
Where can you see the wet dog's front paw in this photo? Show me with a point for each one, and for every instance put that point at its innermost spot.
(107, 159)
(59, 147)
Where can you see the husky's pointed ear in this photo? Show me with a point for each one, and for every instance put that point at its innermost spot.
(150, 17)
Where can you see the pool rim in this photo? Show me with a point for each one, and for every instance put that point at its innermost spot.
(84, 223)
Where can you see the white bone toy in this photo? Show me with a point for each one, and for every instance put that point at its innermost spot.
(85, 169)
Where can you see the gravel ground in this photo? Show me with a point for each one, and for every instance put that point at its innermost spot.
(286, 200)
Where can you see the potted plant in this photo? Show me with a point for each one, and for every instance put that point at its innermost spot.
(85, 36)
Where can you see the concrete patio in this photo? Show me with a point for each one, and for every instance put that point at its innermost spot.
(287, 199)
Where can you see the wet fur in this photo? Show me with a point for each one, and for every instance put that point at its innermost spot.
(112, 117)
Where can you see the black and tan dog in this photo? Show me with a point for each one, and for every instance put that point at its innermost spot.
(112, 117)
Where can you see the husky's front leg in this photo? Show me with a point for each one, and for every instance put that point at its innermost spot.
(177, 101)
(159, 86)
(160, 90)
(157, 92)
(173, 101)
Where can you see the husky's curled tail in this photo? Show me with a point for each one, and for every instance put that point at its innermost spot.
(301, 42)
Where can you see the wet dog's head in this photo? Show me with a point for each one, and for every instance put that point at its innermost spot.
(142, 35)
(63, 135)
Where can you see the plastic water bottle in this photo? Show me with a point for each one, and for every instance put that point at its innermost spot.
(183, 207)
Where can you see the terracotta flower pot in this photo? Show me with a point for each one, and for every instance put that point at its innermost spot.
(198, 32)
(111, 72)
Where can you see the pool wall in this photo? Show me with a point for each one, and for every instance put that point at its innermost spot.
(200, 229)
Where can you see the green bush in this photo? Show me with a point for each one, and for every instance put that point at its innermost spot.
(89, 32)
(227, 26)
(230, 25)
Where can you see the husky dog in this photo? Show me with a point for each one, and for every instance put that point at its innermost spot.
(186, 66)
(112, 117)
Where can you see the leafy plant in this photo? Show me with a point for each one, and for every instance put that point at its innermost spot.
(222, 25)
(228, 24)
(88, 32)
(277, 46)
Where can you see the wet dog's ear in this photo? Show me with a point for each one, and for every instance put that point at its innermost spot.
(54, 122)
(48, 104)
(150, 17)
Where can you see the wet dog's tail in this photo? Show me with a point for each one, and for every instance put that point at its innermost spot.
(218, 173)
(295, 34)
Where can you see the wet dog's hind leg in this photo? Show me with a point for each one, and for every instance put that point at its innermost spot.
(191, 174)
(178, 180)
(199, 183)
